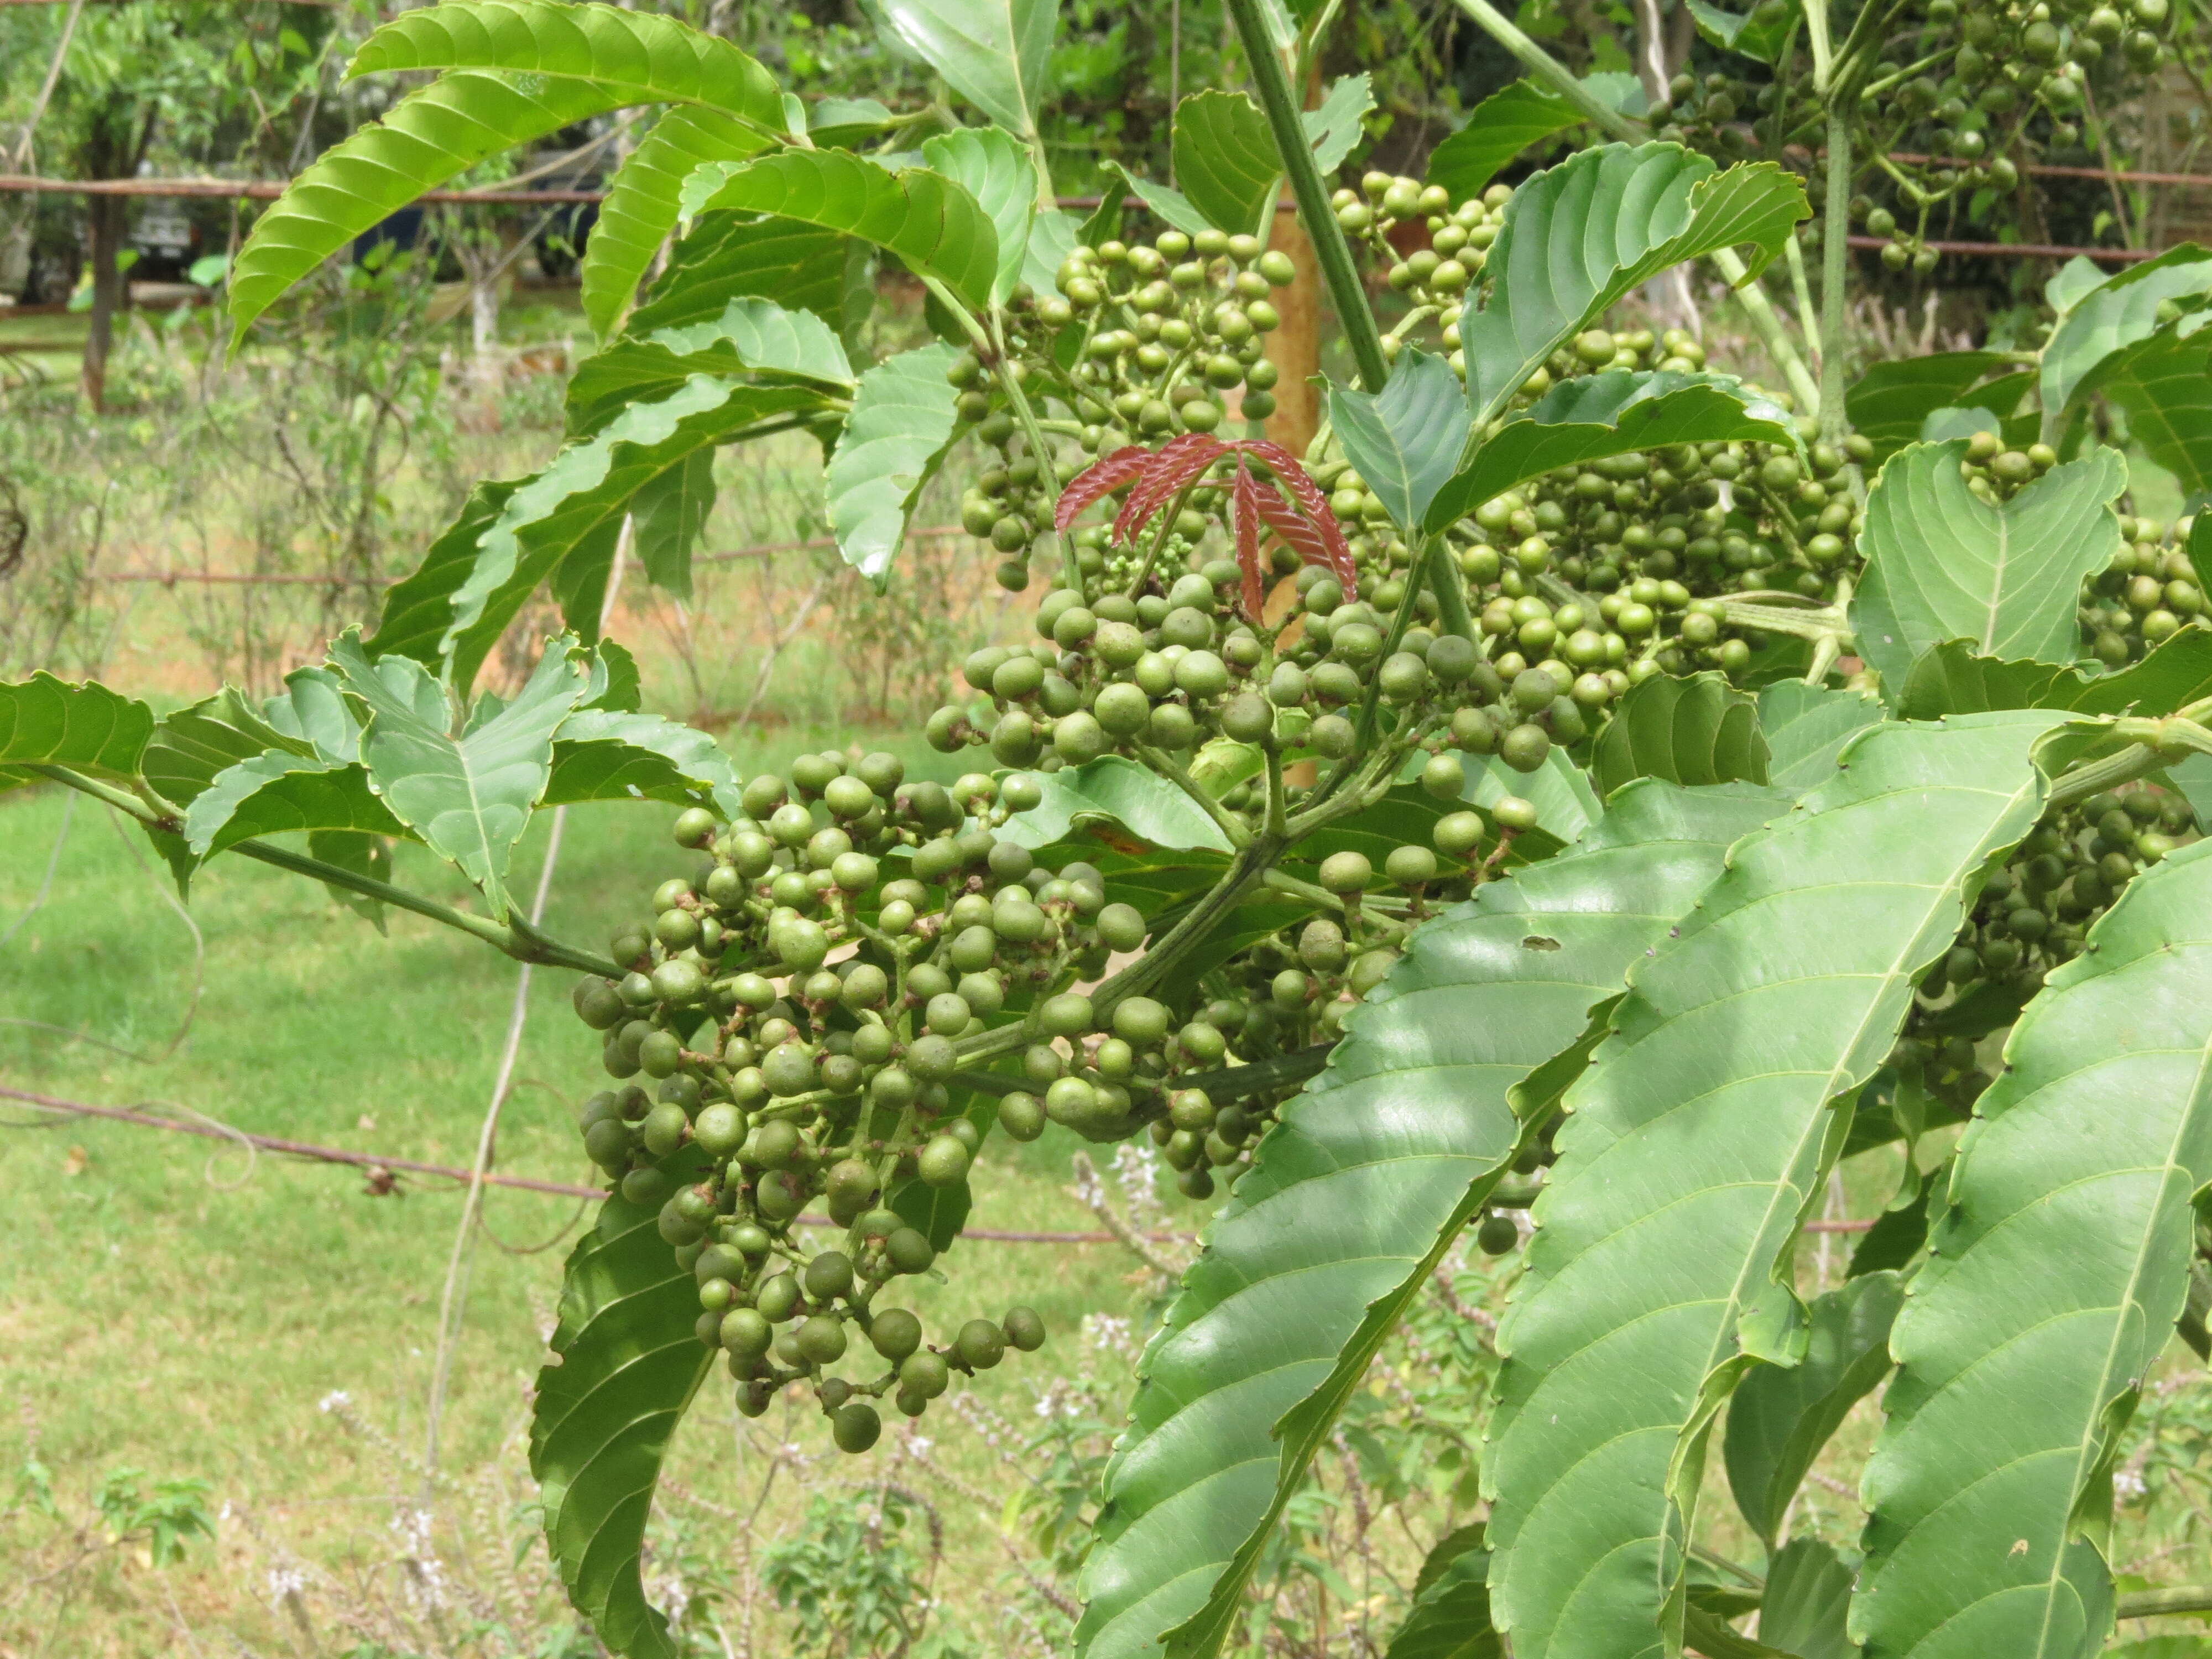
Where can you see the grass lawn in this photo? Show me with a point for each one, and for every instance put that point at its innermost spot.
(171, 1305)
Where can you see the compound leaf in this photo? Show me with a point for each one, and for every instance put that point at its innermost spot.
(1805, 727)
(1780, 1416)
(1405, 439)
(627, 1365)
(1888, 402)
(605, 753)
(2053, 1282)
(931, 222)
(902, 419)
(731, 256)
(1694, 731)
(1808, 1602)
(1450, 1615)
(751, 334)
(1953, 680)
(190, 747)
(1580, 235)
(2164, 384)
(88, 728)
(1355, 1195)
(991, 166)
(280, 793)
(1594, 415)
(517, 70)
(1115, 790)
(641, 204)
(1335, 126)
(1944, 564)
(1695, 1144)
(994, 53)
(1509, 120)
(1166, 202)
(1754, 36)
(469, 797)
(2119, 312)
(1225, 159)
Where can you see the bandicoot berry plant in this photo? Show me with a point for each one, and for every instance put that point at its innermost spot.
(1581, 782)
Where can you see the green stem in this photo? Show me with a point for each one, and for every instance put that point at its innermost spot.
(1277, 881)
(1800, 286)
(1835, 256)
(1548, 69)
(2151, 1604)
(1174, 771)
(1759, 311)
(1445, 582)
(517, 938)
(1311, 193)
(2094, 777)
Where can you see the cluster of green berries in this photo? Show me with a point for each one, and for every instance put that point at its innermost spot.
(2149, 592)
(2032, 917)
(1439, 280)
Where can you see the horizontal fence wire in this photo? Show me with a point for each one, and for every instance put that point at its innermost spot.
(309, 1150)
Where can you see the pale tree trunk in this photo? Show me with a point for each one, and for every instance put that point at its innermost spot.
(110, 293)
(1295, 347)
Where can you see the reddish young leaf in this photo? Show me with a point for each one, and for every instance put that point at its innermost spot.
(1108, 473)
(1247, 502)
(1326, 533)
(1178, 463)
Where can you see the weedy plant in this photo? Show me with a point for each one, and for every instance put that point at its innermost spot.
(1581, 782)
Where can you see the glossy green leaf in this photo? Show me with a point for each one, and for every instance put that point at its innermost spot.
(559, 524)
(86, 728)
(2052, 1285)
(1808, 1601)
(729, 256)
(2119, 312)
(605, 753)
(994, 53)
(1696, 730)
(1594, 415)
(1579, 236)
(1944, 564)
(280, 793)
(518, 70)
(1115, 790)
(2165, 385)
(641, 208)
(1753, 35)
(1780, 1416)
(1450, 1615)
(932, 223)
(1695, 1145)
(1805, 727)
(751, 334)
(993, 166)
(1405, 439)
(1951, 680)
(1225, 159)
(468, 797)
(1509, 120)
(627, 1365)
(1887, 403)
(902, 423)
(1352, 1199)
(1166, 202)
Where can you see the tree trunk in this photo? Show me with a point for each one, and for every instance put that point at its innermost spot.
(1295, 347)
(111, 292)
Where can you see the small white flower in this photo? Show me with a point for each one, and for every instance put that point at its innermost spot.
(336, 1400)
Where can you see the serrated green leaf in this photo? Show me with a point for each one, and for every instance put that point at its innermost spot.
(993, 166)
(1225, 159)
(932, 223)
(605, 753)
(1166, 202)
(2164, 384)
(1807, 1601)
(1944, 564)
(641, 207)
(1699, 1137)
(1694, 731)
(1953, 680)
(843, 123)
(86, 728)
(1594, 415)
(1450, 1615)
(1578, 236)
(1337, 123)
(729, 256)
(1565, 802)
(1353, 1198)
(365, 855)
(628, 1364)
(902, 421)
(559, 524)
(1113, 789)
(470, 796)
(1805, 727)
(1053, 236)
(2117, 312)
(518, 70)
(1406, 440)
(2052, 1285)
(1761, 40)
(1780, 1416)
(190, 747)
(751, 334)
(666, 517)
(994, 53)
(1509, 121)
(280, 793)
(1887, 403)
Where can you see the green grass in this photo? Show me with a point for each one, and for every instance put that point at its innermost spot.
(169, 1304)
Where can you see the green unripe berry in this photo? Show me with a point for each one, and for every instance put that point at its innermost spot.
(745, 1333)
(895, 1334)
(856, 1426)
(1067, 1015)
(828, 1276)
(1410, 866)
(1122, 926)
(1514, 813)
(981, 1344)
(942, 1162)
(925, 1374)
(1346, 872)
(1498, 1234)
